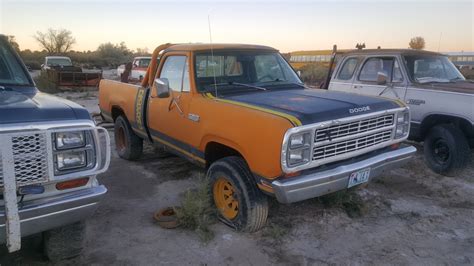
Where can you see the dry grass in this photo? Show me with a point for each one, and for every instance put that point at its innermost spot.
(197, 212)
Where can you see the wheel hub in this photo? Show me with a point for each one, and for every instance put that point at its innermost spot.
(441, 151)
(225, 198)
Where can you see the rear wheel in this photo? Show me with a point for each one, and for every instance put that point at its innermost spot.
(236, 196)
(64, 242)
(128, 145)
(446, 150)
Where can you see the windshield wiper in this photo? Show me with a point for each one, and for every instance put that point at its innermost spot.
(456, 78)
(432, 79)
(284, 81)
(238, 84)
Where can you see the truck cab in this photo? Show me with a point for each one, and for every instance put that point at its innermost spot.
(50, 154)
(441, 101)
(56, 61)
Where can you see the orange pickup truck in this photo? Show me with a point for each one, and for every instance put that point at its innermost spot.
(242, 113)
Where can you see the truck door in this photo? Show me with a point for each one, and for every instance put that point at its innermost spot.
(168, 117)
(342, 79)
(366, 80)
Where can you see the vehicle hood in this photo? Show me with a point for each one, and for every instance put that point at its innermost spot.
(315, 105)
(459, 86)
(21, 107)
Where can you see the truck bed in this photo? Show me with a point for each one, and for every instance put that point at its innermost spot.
(119, 98)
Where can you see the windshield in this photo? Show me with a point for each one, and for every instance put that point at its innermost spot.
(241, 68)
(427, 68)
(59, 62)
(11, 72)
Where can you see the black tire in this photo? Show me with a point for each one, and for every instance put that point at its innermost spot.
(64, 242)
(252, 203)
(128, 145)
(446, 150)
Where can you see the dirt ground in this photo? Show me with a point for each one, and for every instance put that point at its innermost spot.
(408, 216)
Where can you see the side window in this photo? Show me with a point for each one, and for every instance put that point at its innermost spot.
(387, 65)
(347, 70)
(175, 70)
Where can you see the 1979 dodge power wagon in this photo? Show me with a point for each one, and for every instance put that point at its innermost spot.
(441, 101)
(50, 153)
(241, 112)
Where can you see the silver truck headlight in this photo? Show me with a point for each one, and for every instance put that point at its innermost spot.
(403, 124)
(74, 151)
(70, 139)
(298, 156)
(299, 140)
(67, 160)
(299, 149)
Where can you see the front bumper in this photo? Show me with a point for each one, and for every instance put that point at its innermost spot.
(325, 181)
(44, 214)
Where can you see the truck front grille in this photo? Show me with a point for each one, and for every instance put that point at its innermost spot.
(334, 149)
(29, 154)
(350, 137)
(352, 128)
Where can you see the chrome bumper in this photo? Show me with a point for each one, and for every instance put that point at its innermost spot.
(323, 182)
(44, 214)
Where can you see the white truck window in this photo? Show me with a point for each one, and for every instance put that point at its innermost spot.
(175, 69)
(347, 70)
(387, 65)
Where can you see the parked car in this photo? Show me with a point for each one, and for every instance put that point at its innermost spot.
(441, 101)
(50, 154)
(139, 67)
(56, 61)
(61, 71)
(242, 113)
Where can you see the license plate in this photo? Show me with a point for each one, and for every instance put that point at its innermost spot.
(359, 177)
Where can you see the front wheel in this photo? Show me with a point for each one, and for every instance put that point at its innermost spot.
(446, 150)
(236, 196)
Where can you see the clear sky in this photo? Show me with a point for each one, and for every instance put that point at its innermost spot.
(285, 25)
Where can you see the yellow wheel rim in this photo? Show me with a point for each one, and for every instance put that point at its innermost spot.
(225, 198)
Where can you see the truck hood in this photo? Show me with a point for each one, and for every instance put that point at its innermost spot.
(315, 105)
(459, 86)
(17, 106)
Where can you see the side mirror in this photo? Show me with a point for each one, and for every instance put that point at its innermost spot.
(382, 78)
(299, 73)
(161, 88)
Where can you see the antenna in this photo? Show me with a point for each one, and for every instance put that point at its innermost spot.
(439, 42)
(212, 52)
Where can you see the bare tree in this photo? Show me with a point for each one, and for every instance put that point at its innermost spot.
(417, 43)
(55, 41)
(13, 43)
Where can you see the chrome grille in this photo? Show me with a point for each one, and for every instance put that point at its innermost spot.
(342, 147)
(352, 128)
(29, 154)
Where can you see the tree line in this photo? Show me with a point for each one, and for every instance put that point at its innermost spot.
(61, 41)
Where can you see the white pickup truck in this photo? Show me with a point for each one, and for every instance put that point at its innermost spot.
(440, 99)
(139, 67)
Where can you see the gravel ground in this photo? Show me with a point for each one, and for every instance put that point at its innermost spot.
(409, 216)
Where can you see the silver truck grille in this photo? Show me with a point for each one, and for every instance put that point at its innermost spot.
(353, 128)
(334, 149)
(350, 137)
(29, 154)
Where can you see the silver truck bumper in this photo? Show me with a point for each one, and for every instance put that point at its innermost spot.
(44, 214)
(326, 181)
